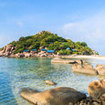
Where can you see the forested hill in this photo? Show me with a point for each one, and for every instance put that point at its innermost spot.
(51, 42)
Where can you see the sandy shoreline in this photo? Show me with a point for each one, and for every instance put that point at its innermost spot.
(85, 57)
(101, 57)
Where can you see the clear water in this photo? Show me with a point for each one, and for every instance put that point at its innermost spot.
(16, 74)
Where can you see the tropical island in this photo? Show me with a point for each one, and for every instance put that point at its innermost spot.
(45, 44)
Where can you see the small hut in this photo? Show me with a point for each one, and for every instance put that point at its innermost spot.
(68, 48)
(50, 52)
(26, 51)
(43, 49)
(33, 51)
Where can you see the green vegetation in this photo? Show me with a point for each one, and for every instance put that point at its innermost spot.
(52, 42)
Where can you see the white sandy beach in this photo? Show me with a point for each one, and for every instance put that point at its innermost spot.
(101, 57)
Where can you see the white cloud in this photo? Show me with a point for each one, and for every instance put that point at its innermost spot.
(91, 30)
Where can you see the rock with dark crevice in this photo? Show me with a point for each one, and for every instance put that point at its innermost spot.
(56, 96)
(84, 68)
(96, 88)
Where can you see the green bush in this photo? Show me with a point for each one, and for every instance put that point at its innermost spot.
(65, 52)
(52, 42)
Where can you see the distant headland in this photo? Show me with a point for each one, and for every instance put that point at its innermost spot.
(43, 44)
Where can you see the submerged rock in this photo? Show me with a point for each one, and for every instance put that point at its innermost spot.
(49, 82)
(56, 96)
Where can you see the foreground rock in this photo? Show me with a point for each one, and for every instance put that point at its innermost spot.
(84, 68)
(96, 88)
(101, 69)
(56, 96)
(92, 101)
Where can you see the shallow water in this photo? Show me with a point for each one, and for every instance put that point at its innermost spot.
(16, 74)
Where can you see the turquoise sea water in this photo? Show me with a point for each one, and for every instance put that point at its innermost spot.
(16, 74)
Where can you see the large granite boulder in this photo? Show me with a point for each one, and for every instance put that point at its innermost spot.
(9, 48)
(96, 88)
(56, 96)
(1, 52)
(84, 68)
(101, 69)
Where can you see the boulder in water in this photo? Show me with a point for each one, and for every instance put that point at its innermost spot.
(49, 82)
(56, 96)
(84, 68)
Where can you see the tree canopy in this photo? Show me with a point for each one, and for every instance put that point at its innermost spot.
(52, 42)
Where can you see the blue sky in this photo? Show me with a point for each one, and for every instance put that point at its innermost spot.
(79, 20)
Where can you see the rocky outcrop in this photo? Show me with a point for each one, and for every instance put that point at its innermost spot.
(101, 69)
(56, 96)
(49, 82)
(7, 50)
(1, 52)
(96, 88)
(92, 101)
(84, 68)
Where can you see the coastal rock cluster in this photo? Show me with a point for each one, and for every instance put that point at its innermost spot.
(8, 51)
(81, 66)
(92, 101)
(84, 68)
(96, 88)
(87, 68)
(67, 96)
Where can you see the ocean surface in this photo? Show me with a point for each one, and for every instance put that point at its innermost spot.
(16, 74)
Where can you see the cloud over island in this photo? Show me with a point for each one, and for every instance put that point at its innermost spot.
(91, 30)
